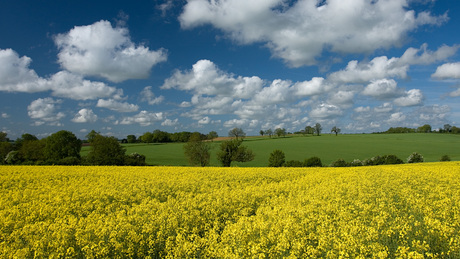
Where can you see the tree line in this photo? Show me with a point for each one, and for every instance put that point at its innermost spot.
(447, 128)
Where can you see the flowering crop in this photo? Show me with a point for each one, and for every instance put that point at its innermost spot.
(403, 211)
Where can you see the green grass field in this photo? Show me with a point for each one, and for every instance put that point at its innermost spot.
(327, 147)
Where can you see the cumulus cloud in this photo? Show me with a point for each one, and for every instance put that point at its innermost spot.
(326, 111)
(382, 89)
(300, 33)
(143, 118)
(16, 76)
(84, 116)
(45, 111)
(412, 97)
(104, 51)
(447, 71)
(114, 105)
(170, 123)
(396, 117)
(149, 97)
(204, 121)
(5, 115)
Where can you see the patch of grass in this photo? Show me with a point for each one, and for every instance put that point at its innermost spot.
(327, 147)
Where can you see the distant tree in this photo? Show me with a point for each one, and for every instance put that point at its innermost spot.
(131, 139)
(444, 158)
(335, 130)
(261, 132)
(269, 132)
(197, 151)
(32, 151)
(3, 137)
(24, 138)
(280, 132)
(212, 135)
(313, 162)
(455, 130)
(447, 128)
(134, 159)
(309, 130)
(90, 136)
(424, 129)
(318, 129)
(415, 158)
(105, 151)
(160, 136)
(237, 133)
(147, 137)
(60, 145)
(276, 159)
(5, 148)
(232, 150)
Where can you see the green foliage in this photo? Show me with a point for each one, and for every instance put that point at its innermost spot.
(60, 145)
(232, 150)
(105, 151)
(444, 158)
(340, 163)
(5, 148)
(383, 160)
(32, 150)
(313, 162)
(415, 158)
(294, 163)
(356, 162)
(131, 139)
(135, 159)
(71, 160)
(237, 133)
(3, 137)
(424, 129)
(318, 128)
(276, 159)
(197, 151)
(212, 135)
(280, 132)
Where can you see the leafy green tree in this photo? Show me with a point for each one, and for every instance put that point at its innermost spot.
(318, 129)
(280, 132)
(261, 132)
(105, 151)
(269, 132)
(131, 139)
(197, 151)
(313, 162)
(336, 130)
(32, 151)
(237, 133)
(212, 135)
(90, 136)
(309, 130)
(147, 137)
(276, 159)
(5, 148)
(444, 158)
(160, 136)
(135, 159)
(60, 145)
(424, 129)
(232, 150)
(24, 138)
(447, 128)
(415, 158)
(339, 163)
(3, 137)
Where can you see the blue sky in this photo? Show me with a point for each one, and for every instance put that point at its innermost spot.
(203, 65)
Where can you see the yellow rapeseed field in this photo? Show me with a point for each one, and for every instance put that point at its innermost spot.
(402, 211)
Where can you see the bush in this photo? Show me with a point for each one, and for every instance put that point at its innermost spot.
(356, 162)
(392, 160)
(339, 163)
(135, 159)
(276, 159)
(415, 158)
(313, 162)
(293, 163)
(444, 158)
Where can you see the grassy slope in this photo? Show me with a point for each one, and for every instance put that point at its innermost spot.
(328, 147)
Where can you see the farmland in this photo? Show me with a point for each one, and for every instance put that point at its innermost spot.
(328, 147)
(406, 211)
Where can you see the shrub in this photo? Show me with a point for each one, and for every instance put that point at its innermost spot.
(135, 159)
(356, 162)
(415, 158)
(71, 160)
(392, 160)
(444, 158)
(293, 163)
(339, 163)
(276, 159)
(313, 162)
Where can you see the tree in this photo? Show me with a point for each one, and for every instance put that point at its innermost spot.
(212, 135)
(415, 158)
(3, 137)
(237, 133)
(269, 132)
(447, 128)
(147, 137)
(280, 132)
(261, 132)
(336, 130)
(313, 162)
(131, 139)
(24, 138)
(232, 150)
(197, 151)
(160, 136)
(60, 145)
(5, 148)
(90, 136)
(32, 151)
(276, 159)
(309, 130)
(106, 151)
(424, 129)
(318, 129)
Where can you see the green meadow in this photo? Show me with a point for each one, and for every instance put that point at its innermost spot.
(328, 147)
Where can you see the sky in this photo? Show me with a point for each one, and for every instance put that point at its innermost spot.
(124, 68)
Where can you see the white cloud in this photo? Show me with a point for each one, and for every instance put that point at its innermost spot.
(144, 118)
(16, 76)
(104, 51)
(299, 34)
(396, 117)
(235, 123)
(204, 121)
(447, 71)
(44, 111)
(411, 56)
(84, 116)
(114, 105)
(384, 108)
(343, 99)
(412, 98)
(382, 89)
(206, 79)
(5, 115)
(326, 111)
(170, 123)
(149, 97)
